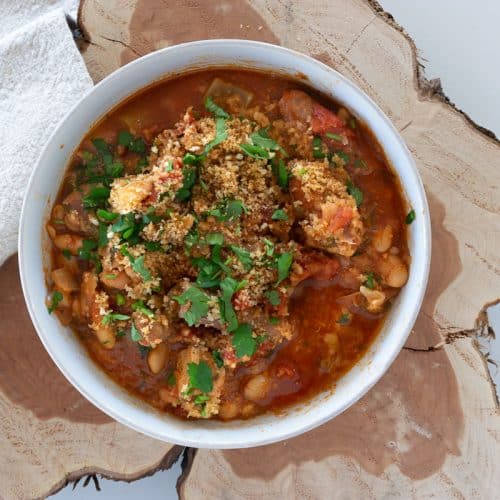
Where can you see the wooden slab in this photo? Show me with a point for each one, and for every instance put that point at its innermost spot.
(50, 434)
(431, 426)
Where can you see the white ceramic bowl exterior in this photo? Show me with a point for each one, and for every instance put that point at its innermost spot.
(69, 354)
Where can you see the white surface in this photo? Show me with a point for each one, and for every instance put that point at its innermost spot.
(41, 75)
(70, 355)
(439, 38)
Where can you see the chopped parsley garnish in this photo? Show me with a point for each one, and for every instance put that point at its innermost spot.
(97, 197)
(66, 253)
(139, 267)
(88, 252)
(355, 192)
(229, 286)
(201, 399)
(171, 381)
(243, 256)
(139, 306)
(220, 135)
(135, 334)
(274, 321)
(200, 376)
(410, 217)
(209, 272)
(114, 317)
(57, 296)
(261, 139)
(281, 173)
(215, 109)
(189, 175)
(120, 333)
(317, 148)
(255, 151)
(217, 358)
(344, 319)
(228, 210)
(273, 297)
(106, 216)
(120, 299)
(335, 137)
(370, 280)
(343, 156)
(279, 214)
(269, 245)
(243, 342)
(214, 239)
(191, 239)
(284, 263)
(198, 304)
(102, 239)
(134, 144)
(359, 163)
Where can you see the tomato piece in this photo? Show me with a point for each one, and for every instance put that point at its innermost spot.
(323, 120)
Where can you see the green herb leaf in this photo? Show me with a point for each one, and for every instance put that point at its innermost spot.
(370, 280)
(317, 147)
(67, 254)
(134, 144)
(85, 251)
(57, 296)
(102, 239)
(139, 306)
(269, 245)
(200, 376)
(243, 256)
(284, 263)
(255, 151)
(282, 173)
(279, 214)
(261, 138)
(188, 181)
(343, 156)
(243, 341)
(120, 333)
(201, 399)
(139, 267)
(274, 321)
(135, 334)
(410, 217)
(228, 287)
(217, 359)
(214, 239)
(220, 135)
(97, 197)
(171, 380)
(215, 109)
(100, 145)
(199, 304)
(228, 210)
(114, 317)
(191, 239)
(335, 137)
(106, 216)
(114, 169)
(120, 299)
(355, 192)
(359, 163)
(273, 297)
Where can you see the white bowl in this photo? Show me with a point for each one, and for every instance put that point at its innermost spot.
(70, 355)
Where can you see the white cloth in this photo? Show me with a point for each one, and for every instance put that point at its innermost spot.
(41, 76)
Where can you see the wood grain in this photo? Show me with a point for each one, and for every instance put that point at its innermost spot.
(49, 433)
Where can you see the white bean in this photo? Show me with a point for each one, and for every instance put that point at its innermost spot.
(382, 240)
(256, 388)
(157, 358)
(64, 280)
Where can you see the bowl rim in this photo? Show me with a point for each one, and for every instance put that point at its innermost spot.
(309, 422)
